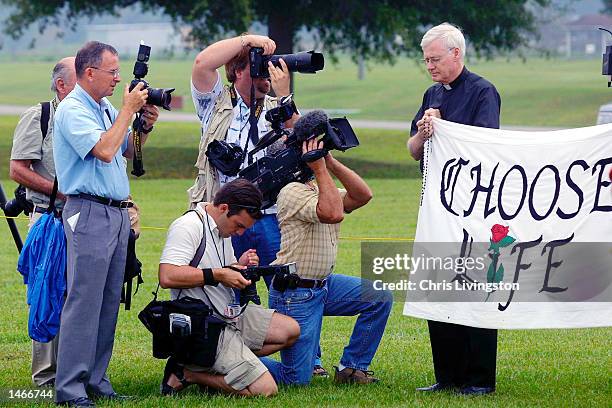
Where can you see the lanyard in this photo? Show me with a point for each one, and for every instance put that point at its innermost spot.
(221, 260)
(255, 113)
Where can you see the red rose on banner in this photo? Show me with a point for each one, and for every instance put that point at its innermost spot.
(499, 232)
(499, 239)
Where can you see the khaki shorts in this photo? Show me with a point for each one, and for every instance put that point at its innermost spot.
(235, 359)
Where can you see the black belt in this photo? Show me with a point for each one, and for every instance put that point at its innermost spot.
(293, 281)
(311, 283)
(105, 201)
(42, 210)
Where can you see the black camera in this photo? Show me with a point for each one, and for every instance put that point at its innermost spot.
(282, 113)
(274, 171)
(157, 96)
(225, 157)
(254, 273)
(305, 62)
(18, 204)
(228, 157)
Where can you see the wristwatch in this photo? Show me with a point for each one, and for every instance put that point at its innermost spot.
(147, 131)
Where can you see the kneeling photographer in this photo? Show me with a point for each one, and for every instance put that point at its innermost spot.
(198, 262)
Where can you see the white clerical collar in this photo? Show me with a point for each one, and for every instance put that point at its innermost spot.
(447, 87)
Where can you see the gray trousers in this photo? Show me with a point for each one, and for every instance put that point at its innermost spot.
(44, 355)
(44, 361)
(96, 244)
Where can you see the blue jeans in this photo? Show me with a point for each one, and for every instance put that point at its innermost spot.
(264, 237)
(341, 296)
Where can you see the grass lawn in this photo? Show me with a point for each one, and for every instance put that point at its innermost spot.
(537, 367)
(538, 92)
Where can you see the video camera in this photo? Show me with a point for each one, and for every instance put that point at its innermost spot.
(228, 157)
(274, 171)
(254, 273)
(305, 62)
(157, 96)
(18, 204)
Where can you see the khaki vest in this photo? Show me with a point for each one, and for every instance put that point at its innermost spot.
(207, 181)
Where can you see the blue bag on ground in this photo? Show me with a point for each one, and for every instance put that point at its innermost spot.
(42, 263)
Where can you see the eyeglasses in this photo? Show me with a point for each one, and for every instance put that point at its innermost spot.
(113, 72)
(435, 60)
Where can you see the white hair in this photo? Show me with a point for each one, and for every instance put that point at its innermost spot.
(60, 70)
(448, 33)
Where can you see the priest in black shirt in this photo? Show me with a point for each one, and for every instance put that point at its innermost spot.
(464, 357)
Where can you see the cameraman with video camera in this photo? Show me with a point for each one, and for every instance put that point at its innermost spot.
(251, 330)
(309, 216)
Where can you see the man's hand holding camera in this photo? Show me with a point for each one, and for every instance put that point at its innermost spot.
(262, 41)
(280, 78)
(231, 278)
(312, 144)
(134, 101)
(249, 258)
(149, 116)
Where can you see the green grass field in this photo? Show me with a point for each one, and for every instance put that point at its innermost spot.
(535, 368)
(538, 92)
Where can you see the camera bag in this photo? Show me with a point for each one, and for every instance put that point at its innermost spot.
(200, 346)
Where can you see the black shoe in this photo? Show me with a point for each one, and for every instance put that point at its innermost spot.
(48, 384)
(78, 402)
(319, 371)
(471, 390)
(172, 368)
(436, 388)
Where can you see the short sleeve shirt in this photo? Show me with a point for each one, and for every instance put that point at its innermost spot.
(79, 123)
(28, 144)
(305, 240)
(182, 242)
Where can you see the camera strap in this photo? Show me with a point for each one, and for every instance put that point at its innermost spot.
(233, 96)
(137, 166)
(256, 109)
(45, 114)
(51, 208)
(198, 257)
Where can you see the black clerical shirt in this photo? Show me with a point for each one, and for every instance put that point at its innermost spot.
(470, 100)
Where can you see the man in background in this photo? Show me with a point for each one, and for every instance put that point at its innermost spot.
(32, 166)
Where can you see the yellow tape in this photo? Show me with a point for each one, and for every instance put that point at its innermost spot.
(154, 228)
(15, 218)
(343, 238)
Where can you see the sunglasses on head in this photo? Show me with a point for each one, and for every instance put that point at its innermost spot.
(250, 209)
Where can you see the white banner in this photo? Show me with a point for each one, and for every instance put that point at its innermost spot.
(540, 204)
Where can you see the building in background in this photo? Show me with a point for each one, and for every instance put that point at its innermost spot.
(162, 37)
(583, 39)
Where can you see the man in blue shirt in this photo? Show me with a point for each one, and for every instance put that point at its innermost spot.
(90, 142)
(463, 356)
